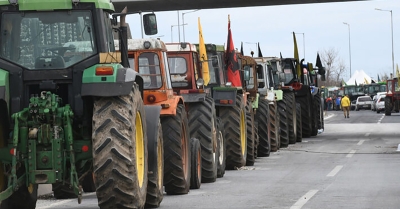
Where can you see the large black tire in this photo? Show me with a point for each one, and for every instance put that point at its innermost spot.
(283, 123)
(195, 158)
(319, 111)
(221, 149)
(396, 106)
(23, 198)
(250, 135)
(201, 116)
(176, 152)
(273, 126)
(264, 145)
(299, 135)
(155, 184)
(291, 114)
(234, 120)
(388, 106)
(306, 117)
(120, 151)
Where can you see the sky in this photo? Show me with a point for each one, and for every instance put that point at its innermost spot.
(319, 27)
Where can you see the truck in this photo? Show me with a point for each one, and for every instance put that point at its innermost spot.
(73, 117)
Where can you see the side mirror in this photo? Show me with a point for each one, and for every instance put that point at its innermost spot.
(323, 78)
(246, 75)
(150, 24)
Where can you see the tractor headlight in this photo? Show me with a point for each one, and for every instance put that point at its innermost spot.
(228, 84)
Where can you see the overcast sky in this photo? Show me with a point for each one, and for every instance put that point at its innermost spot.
(322, 25)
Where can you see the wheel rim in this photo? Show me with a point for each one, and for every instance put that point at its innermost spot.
(159, 164)
(139, 149)
(221, 148)
(243, 131)
(185, 158)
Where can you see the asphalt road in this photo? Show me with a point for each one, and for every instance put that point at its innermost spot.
(352, 164)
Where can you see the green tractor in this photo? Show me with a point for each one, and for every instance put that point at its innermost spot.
(71, 114)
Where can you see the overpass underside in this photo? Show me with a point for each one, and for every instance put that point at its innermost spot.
(171, 5)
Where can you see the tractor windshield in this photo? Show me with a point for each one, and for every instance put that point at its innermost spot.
(48, 39)
(178, 69)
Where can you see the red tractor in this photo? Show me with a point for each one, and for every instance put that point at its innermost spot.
(392, 96)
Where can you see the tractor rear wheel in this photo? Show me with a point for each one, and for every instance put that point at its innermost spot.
(320, 111)
(176, 152)
(24, 197)
(250, 135)
(283, 123)
(299, 137)
(388, 106)
(273, 126)
(221, 149)
(202, 126)
(155, 184)
(264, 145)
(120, 151)
(195, 178)
(396, 106)
(291, 113)
(306, 117)
(234, 121)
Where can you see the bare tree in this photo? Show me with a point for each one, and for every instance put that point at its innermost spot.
(335, 67)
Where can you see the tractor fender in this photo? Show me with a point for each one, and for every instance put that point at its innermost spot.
(172, 105)
(120, 85)
(304, 91)
(152, 125)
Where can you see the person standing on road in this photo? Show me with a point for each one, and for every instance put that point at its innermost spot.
(345, 103)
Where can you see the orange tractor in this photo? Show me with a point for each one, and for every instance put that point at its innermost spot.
(149, 58)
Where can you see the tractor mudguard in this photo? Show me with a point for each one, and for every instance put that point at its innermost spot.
(303, 91)
(118, 84)
(152, 123)
(194, 97)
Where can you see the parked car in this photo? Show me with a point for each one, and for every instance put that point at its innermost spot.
(380, 103)
(363, 102)
(374, 99)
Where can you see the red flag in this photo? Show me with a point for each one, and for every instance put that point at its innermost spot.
(231, 61)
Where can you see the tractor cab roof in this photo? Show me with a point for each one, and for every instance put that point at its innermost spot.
(143, 44)
(41, 5)
(176, 47)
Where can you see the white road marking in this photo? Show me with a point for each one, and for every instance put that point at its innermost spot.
(367, 134)
(360, 142)
(304, 199)
(351, 153)
(335, 171)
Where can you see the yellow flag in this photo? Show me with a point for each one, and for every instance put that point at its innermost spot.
(296, 56)
(203, 56)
